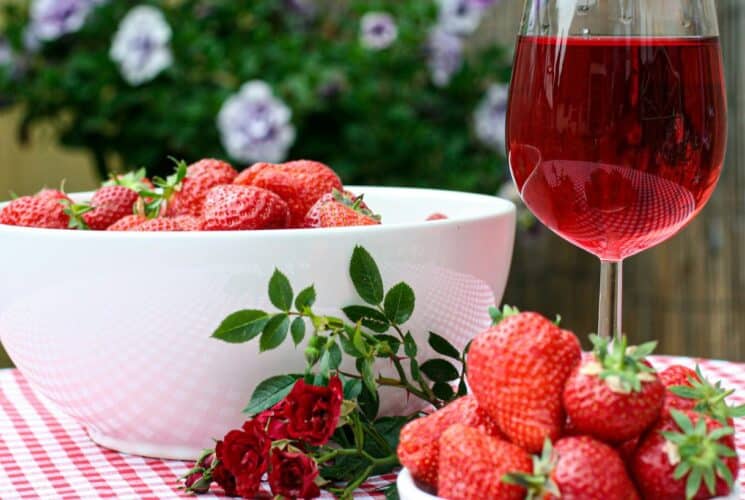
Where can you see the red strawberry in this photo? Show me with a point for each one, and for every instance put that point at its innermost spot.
(418, 448)
(337, 209)
(686, 455)
(160, 224)
(109, 204)
(627, 449)
(690, 390)
(300, 183)
(188, 199)
(437, 216)
(517, 370)
(45, 210)
(127, 223)
(233, 207)
(614, 394)
(577, 468)
(189, 222)
(246, 178)
(472, 465)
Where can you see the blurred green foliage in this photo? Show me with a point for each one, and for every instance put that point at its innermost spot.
(374, 116)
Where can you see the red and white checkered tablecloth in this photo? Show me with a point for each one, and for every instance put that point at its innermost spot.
(45, 454)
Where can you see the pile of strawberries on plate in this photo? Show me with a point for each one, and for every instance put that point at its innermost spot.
(602, 425)
(208, 195)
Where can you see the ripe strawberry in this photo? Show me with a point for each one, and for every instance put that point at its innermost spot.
(472, 465)
(690, 390)
(437, 216)
(108, 205)
(189, 222)
(45, 210)
(246, 178)
(418, 445)
(627, 449)
(233, 207)
(189, 195)
(337, 209)
(517, 369)
(614, 394)
(127, 223)
(577, 468)
(160, 224)
(299, 183)
(686, 455)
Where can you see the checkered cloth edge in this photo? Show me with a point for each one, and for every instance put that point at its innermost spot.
(45, 454)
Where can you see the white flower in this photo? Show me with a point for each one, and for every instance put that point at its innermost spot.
(255, 125)
(445, 56)
(141, 45)
(50, 19)
(378, 30)
(460, 17)
(490, 117)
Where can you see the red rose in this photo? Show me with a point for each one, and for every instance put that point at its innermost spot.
(245, 454)
(313, 411)
(293, 475)
(221, 475)
(274, 421)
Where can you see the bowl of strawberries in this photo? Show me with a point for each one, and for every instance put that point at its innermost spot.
(545, 420)
(109, 298)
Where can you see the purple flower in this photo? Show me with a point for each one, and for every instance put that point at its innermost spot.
(460, 17)
(305, 8)
(50, 19)
(445, 52)
(141, 45)
(490, 117)
(378, 30)
(255, 125)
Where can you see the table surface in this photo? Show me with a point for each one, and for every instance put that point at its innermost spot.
(44, 453)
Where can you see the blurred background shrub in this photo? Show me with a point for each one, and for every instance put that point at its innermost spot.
(387, 92)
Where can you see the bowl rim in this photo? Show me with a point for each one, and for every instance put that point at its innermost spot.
(498, 207)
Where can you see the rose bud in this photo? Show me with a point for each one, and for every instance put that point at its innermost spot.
(197, 482)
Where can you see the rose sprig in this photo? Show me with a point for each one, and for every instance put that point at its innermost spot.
(320, 428)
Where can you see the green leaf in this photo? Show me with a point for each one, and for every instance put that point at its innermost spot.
(358, 341)
(414, 368)
(365, 369)
(241, 326)
(390, 429)
(297, 329)
(275, 332)
(442, 346)
(352, 388)
(439, 370)
(393, 342)
(306, 298)
(443, 391)
(369, 317)
(366, 276)
(334, 356)
(369, 402)
(270, 392)
(324, 366)
(399, 303)
(410, 347)
(348, 347)
(280, 291)
(391, 492)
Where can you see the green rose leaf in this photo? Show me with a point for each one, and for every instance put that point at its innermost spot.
(352, 388)
(241, 326)
(439, 370)
(414, 368)
(306, 298)
(399, 303)
(297, 329)
(275, 332)
(334, 356)
(270, 392)
(369, 317)
(366, 276)
(365, 368)
(442, 346)
(443, 391)
(410, 347)
(280, 291)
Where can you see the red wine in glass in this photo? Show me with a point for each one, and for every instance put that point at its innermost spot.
(615, 143)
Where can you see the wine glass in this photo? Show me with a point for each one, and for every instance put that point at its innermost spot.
(616, 125)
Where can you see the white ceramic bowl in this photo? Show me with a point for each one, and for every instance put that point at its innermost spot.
(115, 327)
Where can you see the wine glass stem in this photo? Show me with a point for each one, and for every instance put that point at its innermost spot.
(610, 306)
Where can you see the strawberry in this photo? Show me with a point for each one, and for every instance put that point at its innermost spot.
(686, 455)
(127, 223)
(472, 465)
(577, 468)
(108, 205)
(300, 183)
(246, 178)
(189, 195)
(614, 394)
(233, 207)
(690, 390)
(437, 216)
(337, 209)
(160, 224)
(418, 448)
(45, 210)
(517, 369)
(189, 222)
(627, 449)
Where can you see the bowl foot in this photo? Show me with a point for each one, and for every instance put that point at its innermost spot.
(170, 452)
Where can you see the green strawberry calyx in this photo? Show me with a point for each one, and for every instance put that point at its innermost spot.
(153, 203)
(134, 180)
(710, 398)
(698, 453)
(75, 211)
(539, 483)
(497, 314)
(621, 366)
(355, 203)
